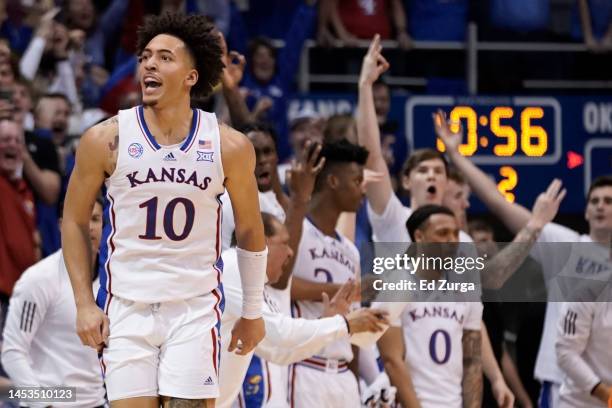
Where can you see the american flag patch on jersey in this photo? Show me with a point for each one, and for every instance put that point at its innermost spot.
(204, 144)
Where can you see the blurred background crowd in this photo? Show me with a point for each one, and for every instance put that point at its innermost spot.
(65, 65)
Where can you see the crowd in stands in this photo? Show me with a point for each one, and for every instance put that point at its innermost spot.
(67, 65)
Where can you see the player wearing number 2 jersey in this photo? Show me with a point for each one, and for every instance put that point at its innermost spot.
(164, 166)
(325, 256)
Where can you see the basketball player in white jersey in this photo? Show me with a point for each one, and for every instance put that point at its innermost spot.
(584, 331)
(598, 213)
(40, 347)
(432, 351)
(164, 166)
(287, 339)
(324, 255)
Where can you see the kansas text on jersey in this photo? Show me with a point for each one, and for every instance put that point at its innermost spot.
(161, 238)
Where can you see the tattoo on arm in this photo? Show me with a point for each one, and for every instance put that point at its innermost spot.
(115, 145)
(472, 369)
(171, 402)
(110, 121)
(509, 259)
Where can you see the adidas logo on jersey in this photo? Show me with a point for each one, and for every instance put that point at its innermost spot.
(170, 157)
(209, 381)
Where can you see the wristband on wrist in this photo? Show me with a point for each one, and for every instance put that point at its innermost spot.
(252, 268)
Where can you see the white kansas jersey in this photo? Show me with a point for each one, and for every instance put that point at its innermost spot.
(161, 237)
(433, 333)
(322, 258)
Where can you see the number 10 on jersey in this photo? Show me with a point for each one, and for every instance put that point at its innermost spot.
(168, 219)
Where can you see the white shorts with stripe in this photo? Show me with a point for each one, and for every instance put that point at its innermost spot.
(314, 383)
(170, 349)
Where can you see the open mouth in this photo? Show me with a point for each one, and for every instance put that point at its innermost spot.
(264, 177)
(431, 190)
(9, 155)
(58, 127)
(151, 85)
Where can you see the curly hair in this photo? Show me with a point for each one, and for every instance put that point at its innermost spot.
(201, 39)
(339, 152)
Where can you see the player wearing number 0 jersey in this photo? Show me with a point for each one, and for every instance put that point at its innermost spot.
(432, 351)
(164, 166)
(432, 334)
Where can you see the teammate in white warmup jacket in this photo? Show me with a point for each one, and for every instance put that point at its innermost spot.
(41, 348)
(584, 332)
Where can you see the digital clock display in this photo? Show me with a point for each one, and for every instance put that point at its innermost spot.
(502, 134)
(521, 130)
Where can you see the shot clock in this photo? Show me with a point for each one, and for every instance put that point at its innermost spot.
(519, 141)
(520, 130)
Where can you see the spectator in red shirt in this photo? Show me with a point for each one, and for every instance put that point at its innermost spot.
(17, 218)
(362, 19)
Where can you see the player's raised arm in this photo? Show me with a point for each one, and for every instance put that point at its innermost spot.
(374, 64)
(301, 180)
(392, 351)
(230, 80)
(508, 260)
(514, 216)
(96, 156)
(239, 166)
